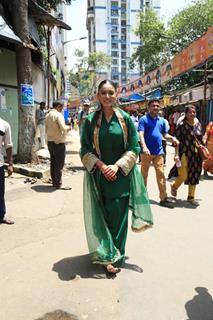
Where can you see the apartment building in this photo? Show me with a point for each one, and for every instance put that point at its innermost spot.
(110, 27)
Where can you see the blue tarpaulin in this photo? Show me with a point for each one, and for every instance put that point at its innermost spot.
(134, 97)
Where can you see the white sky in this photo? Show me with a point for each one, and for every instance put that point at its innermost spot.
(76, 18)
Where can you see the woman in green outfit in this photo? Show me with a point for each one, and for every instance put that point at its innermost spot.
(112, 182)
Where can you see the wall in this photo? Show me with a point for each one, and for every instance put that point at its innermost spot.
(8, 82)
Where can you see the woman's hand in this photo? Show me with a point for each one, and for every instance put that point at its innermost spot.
(176, 158)
(108, 172)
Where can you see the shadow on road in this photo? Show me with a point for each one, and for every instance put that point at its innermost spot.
(179, 203)
(130, 266)
(81, 266)
(69, 268)
(201, 305)
(43, 188)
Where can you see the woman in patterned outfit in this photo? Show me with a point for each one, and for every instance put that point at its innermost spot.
(188, 133)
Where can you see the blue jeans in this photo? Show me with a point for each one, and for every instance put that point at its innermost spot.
(2, 190)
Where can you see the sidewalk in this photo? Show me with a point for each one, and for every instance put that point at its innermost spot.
(42, 169)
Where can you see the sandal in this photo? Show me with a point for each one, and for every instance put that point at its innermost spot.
(63, 188)
(7, 221)
(111, 269)
(193, 202)
(144, 227)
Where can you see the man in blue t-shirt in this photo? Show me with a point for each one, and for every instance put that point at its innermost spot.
(152, 128)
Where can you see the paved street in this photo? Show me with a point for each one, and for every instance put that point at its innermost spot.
(44, 263)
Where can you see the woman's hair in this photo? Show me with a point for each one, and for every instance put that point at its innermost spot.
(102, 83)
(189, 107)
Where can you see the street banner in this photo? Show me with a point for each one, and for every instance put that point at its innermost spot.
(27, 98)
(199, 52)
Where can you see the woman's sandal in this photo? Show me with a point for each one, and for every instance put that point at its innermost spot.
(111, 269)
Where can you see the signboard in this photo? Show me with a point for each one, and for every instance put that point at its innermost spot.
(27, 98)
(3, 105)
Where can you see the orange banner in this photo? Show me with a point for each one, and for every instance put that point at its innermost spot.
(196, 54)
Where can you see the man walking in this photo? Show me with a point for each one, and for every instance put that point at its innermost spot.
(82, 114)
(152, 128)
(56, 131)
(40, 122)
(5, 143)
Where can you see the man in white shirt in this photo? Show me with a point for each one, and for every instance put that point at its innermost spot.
(56, 131)
(5, 144)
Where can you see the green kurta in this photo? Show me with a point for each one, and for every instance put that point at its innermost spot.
(106, 202)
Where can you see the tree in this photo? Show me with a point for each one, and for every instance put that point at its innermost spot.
(85, 77)
(189, 24)
(160, 45)
(19, 14)
(151, 53)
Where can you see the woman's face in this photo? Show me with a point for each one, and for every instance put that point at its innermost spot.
(191, 114)
(107, 95)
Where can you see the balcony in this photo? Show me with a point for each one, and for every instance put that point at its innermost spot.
(90, 13)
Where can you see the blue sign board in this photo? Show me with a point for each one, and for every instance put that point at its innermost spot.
(27, 95)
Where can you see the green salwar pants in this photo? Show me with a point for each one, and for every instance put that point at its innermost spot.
(116, 217)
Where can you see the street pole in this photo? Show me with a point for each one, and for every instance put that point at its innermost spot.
(204, 98)
(48, 65)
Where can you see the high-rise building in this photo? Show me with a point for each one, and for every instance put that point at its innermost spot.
(110, 27)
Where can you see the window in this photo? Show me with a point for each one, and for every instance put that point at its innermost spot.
(114, 12)
(114, 61)
(123, 22)
(115, 77)
(114, 45)
(123, 62)
(114, 21)
(114, 69)
(114, 37)
(114, 30)
(115, 54)
(123, 55)
(114, 4)
(123, 47)
(123, 6)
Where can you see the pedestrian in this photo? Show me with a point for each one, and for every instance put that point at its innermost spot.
(5, 143)
(152, 128)
(56, 131)
(188, 132)
(112, 182)
(135, 120)
(40, 122)
(208, 141)
(164, 143)
(82, 114)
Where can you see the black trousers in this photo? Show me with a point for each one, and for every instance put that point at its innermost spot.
(2, 191)
(57, 158)
(164, 150)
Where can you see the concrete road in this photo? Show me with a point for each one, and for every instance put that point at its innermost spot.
(44, 264)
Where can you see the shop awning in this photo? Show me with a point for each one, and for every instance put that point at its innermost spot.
(155, 94)
(134, 97)
(6, 33)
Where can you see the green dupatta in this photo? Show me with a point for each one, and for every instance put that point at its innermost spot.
(100, 243)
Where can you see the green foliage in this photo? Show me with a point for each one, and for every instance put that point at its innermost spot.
(52, 4)
(189, 24)
(160, 45)
(84, 78)
(153, 35)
